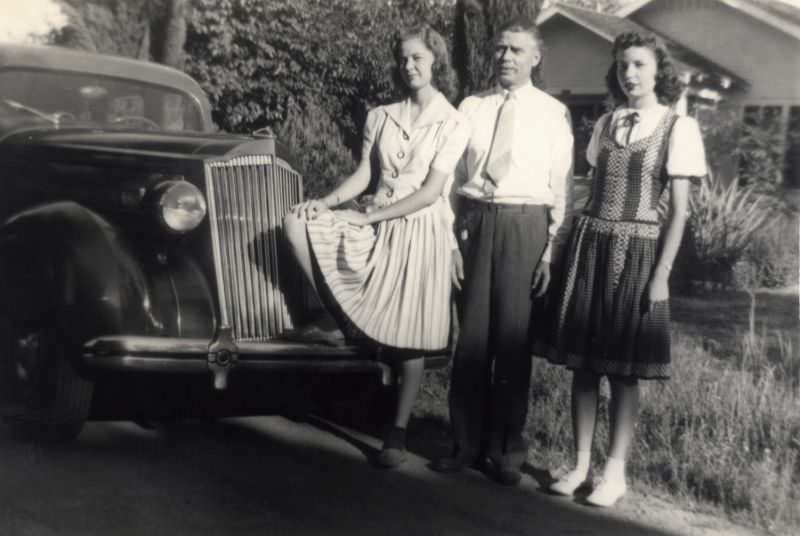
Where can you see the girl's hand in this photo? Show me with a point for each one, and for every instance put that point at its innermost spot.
(310, 209)
(657, 290)
(353, 216)
(457, 269)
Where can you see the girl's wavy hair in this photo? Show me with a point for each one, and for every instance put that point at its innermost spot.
(669, 86)
(443, 75)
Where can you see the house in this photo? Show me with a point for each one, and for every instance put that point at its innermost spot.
(735, 54)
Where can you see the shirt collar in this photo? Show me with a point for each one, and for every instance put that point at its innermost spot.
(518, 92)
(435, 111)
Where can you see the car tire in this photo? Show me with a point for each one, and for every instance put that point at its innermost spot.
(49, 401)
(42, 397)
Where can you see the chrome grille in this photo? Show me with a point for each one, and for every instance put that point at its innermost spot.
(248, 197)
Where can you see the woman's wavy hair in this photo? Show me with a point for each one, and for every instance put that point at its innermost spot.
(443, 75)
(669, 86)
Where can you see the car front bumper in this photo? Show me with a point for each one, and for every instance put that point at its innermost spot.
(198, 356)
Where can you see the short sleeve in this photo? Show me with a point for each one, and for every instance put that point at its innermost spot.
(594, 142)
(451, 144)
(686, 156)
(371, 129)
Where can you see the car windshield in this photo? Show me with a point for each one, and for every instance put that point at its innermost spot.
(62, 98)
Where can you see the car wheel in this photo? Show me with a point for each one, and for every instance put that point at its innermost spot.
(42, 397)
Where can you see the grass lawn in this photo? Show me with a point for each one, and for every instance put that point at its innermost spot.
(723, 433)
(719, 318)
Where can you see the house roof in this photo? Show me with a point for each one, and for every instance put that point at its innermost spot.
(609, 26)
(779, 15)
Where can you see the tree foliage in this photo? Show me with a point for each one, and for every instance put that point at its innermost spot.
(476, 24)
(309, 68)
(147, 29)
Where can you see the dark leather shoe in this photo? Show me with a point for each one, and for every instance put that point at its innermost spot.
(449, 465)
(390, 458)
(503, 474)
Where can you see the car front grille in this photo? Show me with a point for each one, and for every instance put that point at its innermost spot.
(248, 197)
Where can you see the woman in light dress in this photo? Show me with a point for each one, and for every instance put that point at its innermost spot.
(387, 270)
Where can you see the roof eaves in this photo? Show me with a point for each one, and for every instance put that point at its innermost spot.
(748, 8)
(758, 13)
(556, 10)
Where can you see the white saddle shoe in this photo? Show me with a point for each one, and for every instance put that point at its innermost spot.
(570, 483)
(607, 493)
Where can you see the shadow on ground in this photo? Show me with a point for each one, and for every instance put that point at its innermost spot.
(266, 475)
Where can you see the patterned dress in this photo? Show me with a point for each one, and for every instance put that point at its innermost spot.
(599, 310)
(392, 280)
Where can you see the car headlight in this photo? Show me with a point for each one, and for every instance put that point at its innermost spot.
(181, 205)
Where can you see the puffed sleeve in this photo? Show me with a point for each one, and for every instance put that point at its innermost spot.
(686, 156)
(451, 144)
(594, 142)
(371, 128)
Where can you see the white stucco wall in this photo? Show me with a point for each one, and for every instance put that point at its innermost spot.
(575, 59)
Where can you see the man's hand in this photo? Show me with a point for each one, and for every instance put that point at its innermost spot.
(457, 269)
(541, 279)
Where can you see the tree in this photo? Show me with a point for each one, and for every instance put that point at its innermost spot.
(149, 29)
(310, 69)
(168, 30)
(476, 24)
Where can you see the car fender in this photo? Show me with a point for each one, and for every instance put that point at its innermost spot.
(96, 282)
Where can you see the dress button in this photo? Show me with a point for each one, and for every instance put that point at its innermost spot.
(400, 155)
(405, 136)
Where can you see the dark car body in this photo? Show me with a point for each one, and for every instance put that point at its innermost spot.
(92, 279)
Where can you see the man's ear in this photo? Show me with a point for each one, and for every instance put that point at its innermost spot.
(537, 59)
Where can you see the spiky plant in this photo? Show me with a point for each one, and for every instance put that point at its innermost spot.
(724, 218)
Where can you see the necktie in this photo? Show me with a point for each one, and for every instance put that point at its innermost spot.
(499, 162)
(629, 121)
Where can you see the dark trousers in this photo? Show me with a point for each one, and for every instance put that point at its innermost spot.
(501, 246)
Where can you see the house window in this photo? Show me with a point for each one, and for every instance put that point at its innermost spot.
(767, 118)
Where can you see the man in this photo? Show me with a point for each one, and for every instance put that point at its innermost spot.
(514, 185)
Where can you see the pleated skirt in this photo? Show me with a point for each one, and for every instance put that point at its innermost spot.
(598, 316)
(391, 280)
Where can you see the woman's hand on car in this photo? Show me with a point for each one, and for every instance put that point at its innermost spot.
(310, 209)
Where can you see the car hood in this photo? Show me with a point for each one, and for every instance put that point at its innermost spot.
(143, 143)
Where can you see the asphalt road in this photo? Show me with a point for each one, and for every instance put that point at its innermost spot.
(266, 475)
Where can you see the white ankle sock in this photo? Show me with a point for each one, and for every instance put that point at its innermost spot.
(582, 465)
(614, 470)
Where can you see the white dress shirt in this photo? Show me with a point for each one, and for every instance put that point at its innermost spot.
(541, 157)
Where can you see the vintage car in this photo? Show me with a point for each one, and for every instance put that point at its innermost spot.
(138, 245)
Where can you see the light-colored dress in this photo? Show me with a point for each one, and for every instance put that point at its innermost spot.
(392, 279)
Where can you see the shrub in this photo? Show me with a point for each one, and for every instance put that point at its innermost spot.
(747, 152)
(261, 61)
(723, 220)
(315, 141)
(771, 257)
